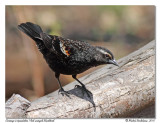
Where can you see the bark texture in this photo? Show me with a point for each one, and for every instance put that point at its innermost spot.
(16, 107)
(114, 91)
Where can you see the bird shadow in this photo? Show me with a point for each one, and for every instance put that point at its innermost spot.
(79, 92)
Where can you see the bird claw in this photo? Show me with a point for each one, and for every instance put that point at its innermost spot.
(77, 86)
(63, 92)
(84, 88)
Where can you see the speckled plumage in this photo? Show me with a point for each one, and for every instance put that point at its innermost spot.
(65, 56)
(76, 62)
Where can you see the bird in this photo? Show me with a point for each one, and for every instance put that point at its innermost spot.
(66, 56)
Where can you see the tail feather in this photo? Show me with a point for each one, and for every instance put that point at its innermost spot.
(32, 30)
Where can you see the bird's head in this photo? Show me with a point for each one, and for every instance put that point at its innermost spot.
(104, 56)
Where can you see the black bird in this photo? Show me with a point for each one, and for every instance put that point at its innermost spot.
(65, 56)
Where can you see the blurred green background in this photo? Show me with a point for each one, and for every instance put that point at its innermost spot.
(122, 29)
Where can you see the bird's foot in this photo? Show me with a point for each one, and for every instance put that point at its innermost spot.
(85, 90)
(63, 92)
(77, 86)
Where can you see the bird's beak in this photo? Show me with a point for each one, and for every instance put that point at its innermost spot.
(113, 62)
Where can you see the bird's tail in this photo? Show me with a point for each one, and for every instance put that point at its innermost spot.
(30, 29)
(34, 31)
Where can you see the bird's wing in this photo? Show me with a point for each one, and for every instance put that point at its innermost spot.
(69, 47)
(64, 47)
(51, 42)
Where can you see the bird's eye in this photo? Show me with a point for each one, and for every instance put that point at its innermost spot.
(108, 56)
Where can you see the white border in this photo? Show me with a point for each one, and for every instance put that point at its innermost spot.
(73, 2)
(80, 2)
(2, 61)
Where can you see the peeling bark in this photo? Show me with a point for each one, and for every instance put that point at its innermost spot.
(115, 92)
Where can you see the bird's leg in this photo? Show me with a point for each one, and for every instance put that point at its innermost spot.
(61, 90)
(74, 76)
(83, 86)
